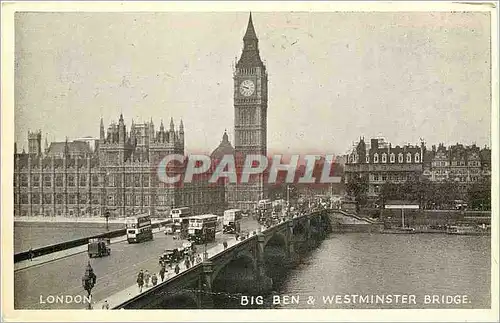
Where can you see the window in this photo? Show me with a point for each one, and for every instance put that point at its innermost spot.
(138, 200)
(145, 180)
(35, 199)
(408, 158)
(35, 181)
(375, 177)
(59, 180)
(95, 199)
(71, 199)
(367, 159)
(375, 158)
(59, 198)
(24, 180)
(111, 200)
(146, 200)
(71, 180)
(137, 180)
(417, 158)
(15, 180)
(128, 180)
(384, 158)
(111, 180)
(83, 199)
(393, 158)
(47, 198)
(400, 158)
(83, 180)
(95, 180)
(47, 181)
(24, 198)
(384, 177)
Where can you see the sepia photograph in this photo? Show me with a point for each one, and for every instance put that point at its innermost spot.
(257, 157)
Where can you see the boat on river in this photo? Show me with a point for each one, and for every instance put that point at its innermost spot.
(468, 230)
(400, 230)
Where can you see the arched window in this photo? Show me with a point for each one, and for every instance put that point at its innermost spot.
(408, 158)
(393, 158)
(400, 158)
(384, 158)
(417, 158)
(375, 158)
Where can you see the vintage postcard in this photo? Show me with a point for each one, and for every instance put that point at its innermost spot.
(292, 161)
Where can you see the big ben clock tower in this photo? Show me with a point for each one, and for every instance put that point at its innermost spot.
(250, 116)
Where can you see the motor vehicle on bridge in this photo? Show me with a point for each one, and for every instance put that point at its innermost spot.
(139, 229)
(201, 228)
(172, 255)
(232, 219)
(99, 247)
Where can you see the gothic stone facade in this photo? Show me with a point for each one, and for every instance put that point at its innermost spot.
(119, 176)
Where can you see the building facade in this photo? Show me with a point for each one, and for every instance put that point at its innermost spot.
(380, 162)
(464, 165)
(119, 176)
(250, 118)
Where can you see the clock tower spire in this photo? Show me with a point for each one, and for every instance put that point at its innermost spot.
(250, 116)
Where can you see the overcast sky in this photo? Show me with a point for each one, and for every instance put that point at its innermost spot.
(333, 77)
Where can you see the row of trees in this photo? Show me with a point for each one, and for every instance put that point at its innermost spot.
(429, 195)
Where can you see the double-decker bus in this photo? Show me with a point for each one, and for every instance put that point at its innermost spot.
(232, 220)
(201, 228)
(179, 222)
(139, 229)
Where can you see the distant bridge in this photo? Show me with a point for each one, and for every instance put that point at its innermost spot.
(247, 268)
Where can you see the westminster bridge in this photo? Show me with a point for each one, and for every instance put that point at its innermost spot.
(248, 267)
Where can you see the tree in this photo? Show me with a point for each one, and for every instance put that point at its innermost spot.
(479, 195)
(357, 188)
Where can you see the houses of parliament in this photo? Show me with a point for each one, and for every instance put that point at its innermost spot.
(117, 173)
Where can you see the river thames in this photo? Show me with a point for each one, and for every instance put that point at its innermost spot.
(392, 264)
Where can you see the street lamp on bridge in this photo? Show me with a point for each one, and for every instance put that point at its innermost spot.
(106, 215)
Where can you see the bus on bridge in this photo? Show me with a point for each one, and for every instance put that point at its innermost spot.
(201, 228)
(139, 229)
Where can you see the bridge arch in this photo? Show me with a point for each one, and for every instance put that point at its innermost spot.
(186, 299)
(234, 277)
(277, 239)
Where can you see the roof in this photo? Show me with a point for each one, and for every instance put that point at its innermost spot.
(204, 216)
(250, 33)
(75, 147)
(224, 148)
(250, 56)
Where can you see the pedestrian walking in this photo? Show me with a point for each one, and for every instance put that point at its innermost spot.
(105, 306)
(147, 275)
(30, 254)
(154, 279)
(198, 258)
(162, 273)
(187, 263)
(176, 269)
(140, 280)
(224, 244)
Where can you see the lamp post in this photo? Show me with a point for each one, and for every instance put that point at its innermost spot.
(205, 253)
(106, 215)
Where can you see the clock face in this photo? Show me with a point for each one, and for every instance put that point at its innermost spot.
(247, 87)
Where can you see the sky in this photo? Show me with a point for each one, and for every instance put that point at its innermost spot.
(333, 76)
